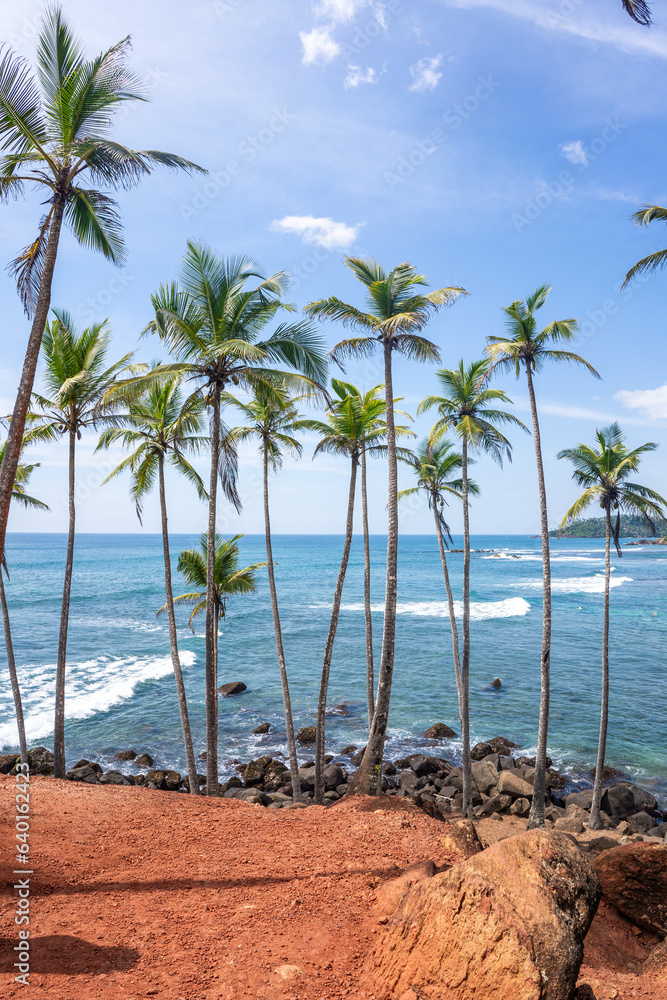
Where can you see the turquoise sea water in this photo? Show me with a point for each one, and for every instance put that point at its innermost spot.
(121, 691)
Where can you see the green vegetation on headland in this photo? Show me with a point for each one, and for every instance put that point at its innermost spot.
(594, 527)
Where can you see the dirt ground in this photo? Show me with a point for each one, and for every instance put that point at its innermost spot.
(140, 893)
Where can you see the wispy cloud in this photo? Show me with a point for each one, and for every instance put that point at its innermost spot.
(425, 75)
(356, 76)
(340, 11)
(652, 403)
(319, 47)
(574, 152)
(323, 232)
(628, 38)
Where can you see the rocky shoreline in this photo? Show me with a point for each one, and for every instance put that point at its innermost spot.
(502, 785)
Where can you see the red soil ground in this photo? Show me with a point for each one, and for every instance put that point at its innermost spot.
(141, 893)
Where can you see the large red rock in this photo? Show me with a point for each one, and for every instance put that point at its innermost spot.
(634, 879)
(506, 924)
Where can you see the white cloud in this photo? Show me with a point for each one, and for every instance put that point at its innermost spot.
(425, 74)
(628, 38)
(318, 46)
(356, 76)
(340, 11)
(322, 232)
(651, 402)
(574, 152)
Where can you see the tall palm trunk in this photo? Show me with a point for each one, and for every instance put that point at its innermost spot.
(173, 641)
(536, 817)
(368, 779)
(17, 423)
(370, 678)
(595, 822)
(13, 676)
(287, 704)
(331, 635)
(466, 807)
(212, 785)
(59, 723)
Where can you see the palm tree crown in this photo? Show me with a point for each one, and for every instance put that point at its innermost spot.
(272, 418)
(158, 424)
(528, 346)
(437, 467)
(229, 578)
(603, 473)
(55, 130)
(464, 407)
(656, 260)
(355, 423)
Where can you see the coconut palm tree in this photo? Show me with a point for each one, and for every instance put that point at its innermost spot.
(273, 419)
(528, 348)
(397, 312)
(638, 10)
(467, 407)
(354, 423)
(603, 473)
(161, 428)
(56, 134)
(211, 324)
(437, 467)
(76, 377)
(19, 495)
(228, 581)
(656, 260)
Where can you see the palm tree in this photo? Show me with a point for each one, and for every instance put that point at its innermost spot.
(273, 419)
(638, 10)
(160, 428)
(397, 312)
(526, 346)
(76, 377)
(55, 130)
(228, 581)
(464, 407)
(354, 423)
(211, 325)
(657, 260)
(19, 495)
(603, 473)
(437, 467)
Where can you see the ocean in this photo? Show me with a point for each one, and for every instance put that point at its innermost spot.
(121, 692)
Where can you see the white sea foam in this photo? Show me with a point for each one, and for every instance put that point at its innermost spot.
(92, 686)
(579, 584)
(532, 557)
(511, 607)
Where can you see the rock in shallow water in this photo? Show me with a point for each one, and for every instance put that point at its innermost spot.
(307, 734)
(234, 687)
(439, 731)
(507, 923)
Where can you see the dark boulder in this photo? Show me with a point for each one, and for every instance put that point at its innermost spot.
(87, 763)
(86, 773)
(496, 683)
(126, 755)
(40, 761)
(584, 799)
(634, 880)
(356, 758)
(307, 735)
(172, 781)
(265, 727)
(501, 745)
(145, 760)
(234, 687)
(113, 778)
(624, 799)
(346, 751)
(439, 731)
(155, 778)
(8, 761)
(481, 750)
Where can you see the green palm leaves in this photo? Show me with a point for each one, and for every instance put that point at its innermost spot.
(656, 260)
(437, 469)
(230, 579)
(55, 130)
(603, 473)
(466, 406)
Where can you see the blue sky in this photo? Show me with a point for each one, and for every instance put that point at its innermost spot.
(495, 144)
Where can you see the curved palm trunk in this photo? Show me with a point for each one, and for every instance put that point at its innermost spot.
(333, 625)
(370, 677)
(368, 779)
(464, 707)
(536, 817)
(173, 641)
(13, 676)
(17, 423)
(212, 785)
(287, 704)
(59, 722)
(595, 822)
